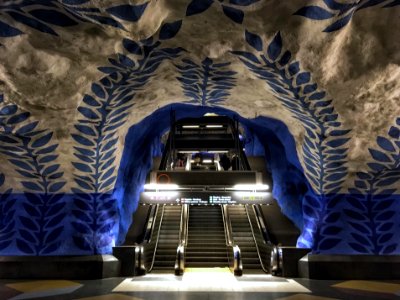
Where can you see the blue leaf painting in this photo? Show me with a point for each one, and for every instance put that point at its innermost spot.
(324, 169)
(198, 6)
(36, 163)
(236, 15)
(7, 216)
(339, 14)
(207, 83)
(169, 30)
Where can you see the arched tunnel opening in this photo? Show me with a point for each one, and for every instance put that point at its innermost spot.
(260, 137)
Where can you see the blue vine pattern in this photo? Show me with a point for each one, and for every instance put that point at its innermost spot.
(324, 151)
(7, 213)
(43, 15)
(96, 137)
(340, 13)
(30, 150)
(231, 10)
(206, 84)
(371, 214)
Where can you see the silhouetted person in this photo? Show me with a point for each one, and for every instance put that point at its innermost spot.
(225, 162)
(235, 162)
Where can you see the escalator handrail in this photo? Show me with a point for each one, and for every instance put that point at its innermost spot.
(150, 224)
(262, 226)
(237, 257)
(254, 238)
(183, 237)
(158, 237)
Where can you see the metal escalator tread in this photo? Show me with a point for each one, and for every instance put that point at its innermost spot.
(243, 237)
(206, 238)
(168, 239)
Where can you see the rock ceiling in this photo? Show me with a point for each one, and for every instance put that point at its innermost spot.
(328, 69)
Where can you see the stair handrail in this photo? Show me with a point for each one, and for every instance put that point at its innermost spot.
(254, 238)
(158, 237)
(237, 257)
(183, 237)
(150, 224)
(262, 226)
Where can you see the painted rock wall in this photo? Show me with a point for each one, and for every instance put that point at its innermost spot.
(77, 75)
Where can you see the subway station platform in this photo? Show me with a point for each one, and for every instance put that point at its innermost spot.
(215, 283)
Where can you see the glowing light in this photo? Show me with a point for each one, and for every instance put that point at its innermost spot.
(207, 161)
(251, 187)
(190, 126)
(160, 187)
(214, 126)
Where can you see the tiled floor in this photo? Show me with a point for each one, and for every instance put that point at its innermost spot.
(199, 284)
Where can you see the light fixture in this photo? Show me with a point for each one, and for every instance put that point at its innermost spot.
(207, 161)
(251, 187)
(214, 126)
(160, 187)
(190, 126)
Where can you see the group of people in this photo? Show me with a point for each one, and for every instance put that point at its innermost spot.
(226, 162)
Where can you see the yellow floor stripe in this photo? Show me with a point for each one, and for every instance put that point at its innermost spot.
(305, 297)
(370, 286)
(41, 285)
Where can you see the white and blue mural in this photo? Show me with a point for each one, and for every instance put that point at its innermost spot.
(75, 194)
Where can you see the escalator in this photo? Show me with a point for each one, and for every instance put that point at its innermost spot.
(168, 239)
(246, 234)
(206, 238)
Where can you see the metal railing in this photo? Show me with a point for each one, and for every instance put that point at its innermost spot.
(254, 238)
(183, 235)
(233, 250)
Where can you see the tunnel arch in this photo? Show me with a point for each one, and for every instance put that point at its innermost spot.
(268, 136)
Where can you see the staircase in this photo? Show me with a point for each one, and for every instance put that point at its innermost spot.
(206, 238)
(243, 237)
(168, 239)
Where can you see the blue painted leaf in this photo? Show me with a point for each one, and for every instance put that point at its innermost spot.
(107, 183)
(354, 215)
(31, 210)
(361, 239)
(22, 164)
(8, 31)
(98, 90)
(82, 204)
(40, 142)
(28, 223)
(310, 88)
(314, 13)
(82, 167)
(54, 234)
(248, 55)
(387, 181)
(275, 48)
(198, 6)
(33, 23)
(379, 155)
(82, 140)
(328, 243)
(337, 142)
(310, 211)
(303, 78)
(385, 238)
(243, 2)
(24, 247)
(126, 61)
(339, 23)
(360, 227)
(169, 30)
(131, 13)
(254, 40)
(88, 113)
(56, 175)
(27, 128)
(84, 184)
(385, 216)
(48, 149)
(236, 15)
(376, 167)
(86, 130)
(390, 248)
(32, 186)
(132, 46)
(82, 216)
(383, 205)
(339, 132)
(294, 68)
(18, 118)
(394, 132)
(58, 219)
(27, 236)
(359, 248)
(55, 187)
(50, 169)
(47, 158)
(84, 151)
(89, 100)
(360, 184)
(50, 247)
(53, 17)
(8, 110)
(336, 176)
(385, 144)
(357, 204)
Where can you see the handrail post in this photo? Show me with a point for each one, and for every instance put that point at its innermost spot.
(183, 232)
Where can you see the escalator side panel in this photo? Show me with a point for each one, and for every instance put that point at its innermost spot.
(137, 229)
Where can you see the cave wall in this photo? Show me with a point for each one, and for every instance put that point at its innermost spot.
(77, 77)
